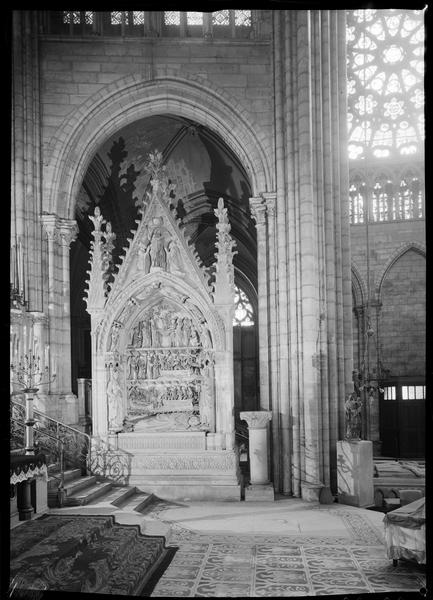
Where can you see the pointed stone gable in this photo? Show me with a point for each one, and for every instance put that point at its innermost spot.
(159, 243)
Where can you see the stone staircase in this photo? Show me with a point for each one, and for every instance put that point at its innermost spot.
(92, 495)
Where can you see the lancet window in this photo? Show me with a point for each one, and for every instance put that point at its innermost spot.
(385, 62)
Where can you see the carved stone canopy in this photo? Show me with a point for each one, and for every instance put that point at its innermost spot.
(256, 419)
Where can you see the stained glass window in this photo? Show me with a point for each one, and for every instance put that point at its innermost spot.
(172, 17)
(242, 18)
(243, 309)
(74, 17)
(194, 18)
(385, 50)
(116, 17)
(221, 17)
(138, 17)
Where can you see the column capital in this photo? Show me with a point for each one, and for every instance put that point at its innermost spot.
(256, 419)
(270, 200)
(50, 225)
(258, 210)
(68, 231)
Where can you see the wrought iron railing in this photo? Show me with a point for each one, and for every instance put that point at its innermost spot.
(51, 434)
(111, 463)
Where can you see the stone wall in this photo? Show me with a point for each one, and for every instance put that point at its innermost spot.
(74, 70)
(397, 289)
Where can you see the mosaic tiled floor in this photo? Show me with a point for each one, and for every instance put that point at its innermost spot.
(221, 565)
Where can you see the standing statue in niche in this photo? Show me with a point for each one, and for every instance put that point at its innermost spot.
(146, 333)
(143, 259)
(114, 399)
(174, 260)
(157, 251)
(114, 337)
(137, 336)
(132, 364)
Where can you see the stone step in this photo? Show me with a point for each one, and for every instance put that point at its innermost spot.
(137, 502)
(68, 476)
(76, 485)
(88, 494)
(117, 495)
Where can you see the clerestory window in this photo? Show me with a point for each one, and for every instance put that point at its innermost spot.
(221, 23)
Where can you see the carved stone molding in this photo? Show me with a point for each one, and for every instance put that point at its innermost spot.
(256, 419)
(179, 462)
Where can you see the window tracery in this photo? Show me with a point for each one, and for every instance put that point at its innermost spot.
(385, 55)
(244, 315)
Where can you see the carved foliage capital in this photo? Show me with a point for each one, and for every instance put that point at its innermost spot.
(256, 419)
(68, 231)
(258, 210)
(51, 228)
(270, 199)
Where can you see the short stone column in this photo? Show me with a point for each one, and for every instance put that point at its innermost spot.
(355, 472)
(260, 487)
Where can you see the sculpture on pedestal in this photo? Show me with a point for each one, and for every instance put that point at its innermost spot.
(353, 414)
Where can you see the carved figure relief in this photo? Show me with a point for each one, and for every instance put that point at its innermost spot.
(169, 367)
(114, 398)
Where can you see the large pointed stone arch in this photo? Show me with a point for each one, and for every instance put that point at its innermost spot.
(398, 253)
(134, 97)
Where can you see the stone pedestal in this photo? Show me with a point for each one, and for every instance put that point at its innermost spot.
(355, 472)
(260, 488)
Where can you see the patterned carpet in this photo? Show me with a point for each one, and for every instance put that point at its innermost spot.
(222, 565)
(84, 554)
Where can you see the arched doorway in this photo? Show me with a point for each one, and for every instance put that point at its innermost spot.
(203, 168)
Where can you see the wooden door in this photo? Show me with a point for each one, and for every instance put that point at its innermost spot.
(402, 420)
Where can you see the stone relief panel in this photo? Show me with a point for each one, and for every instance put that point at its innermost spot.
(169, 372)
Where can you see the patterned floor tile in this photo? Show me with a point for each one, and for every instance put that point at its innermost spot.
(285, 591)
(230, 549)
(259, 565)
(226, 574)
(331, 563)
(181, 572)
(230, 560)
(280, 562)
(269, 549)
(371, 551)
(266, 575)
(173, 587)
(223, 590)
(337, 580)
(326, 551)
